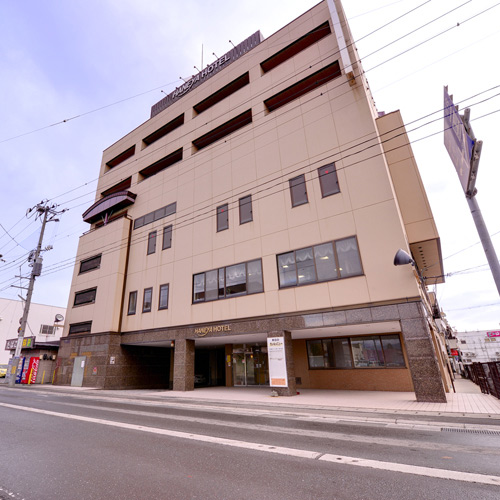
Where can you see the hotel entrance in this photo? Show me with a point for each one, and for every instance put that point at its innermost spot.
(250, 365)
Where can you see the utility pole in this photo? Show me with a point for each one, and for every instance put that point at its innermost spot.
(49, 215)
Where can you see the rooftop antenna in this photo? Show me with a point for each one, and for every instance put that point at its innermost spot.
(214, 54)
(232, 44)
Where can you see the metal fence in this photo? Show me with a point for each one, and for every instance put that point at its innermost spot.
(487, 377)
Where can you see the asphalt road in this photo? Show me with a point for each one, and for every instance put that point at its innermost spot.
(90, 446)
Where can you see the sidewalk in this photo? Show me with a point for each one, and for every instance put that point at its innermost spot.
(468, 402)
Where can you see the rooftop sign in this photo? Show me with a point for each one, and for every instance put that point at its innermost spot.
(208, 72)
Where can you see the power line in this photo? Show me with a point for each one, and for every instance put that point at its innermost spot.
(183, 223)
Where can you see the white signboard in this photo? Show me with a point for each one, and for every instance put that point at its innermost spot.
(277, 362)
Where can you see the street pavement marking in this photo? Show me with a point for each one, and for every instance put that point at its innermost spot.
(339, 459)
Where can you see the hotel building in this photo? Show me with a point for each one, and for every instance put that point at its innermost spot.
(264, 198)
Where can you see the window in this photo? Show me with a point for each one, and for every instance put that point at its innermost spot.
(85, 297)
(167, 237)
(367, 352)
(151, 242)
(246, 209)
(47, 329)
(147, 300)
(222, 217)
(329, 353)
(80, 327)
(227, 282)
(236, 280)
(328, 180)
(121, 157)
(223, 130)
(158, 214)
(160, 165)
(163, 299)
(222, 93)
(324, 262)
(163, 131)
(121, 186)
(132, 302)
(377, 351)
(298, 190)
(349, 263)
(90, 264)
(295, 47)
(301, 88)
(463, 342)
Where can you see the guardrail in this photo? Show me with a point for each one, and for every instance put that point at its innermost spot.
(487, 377)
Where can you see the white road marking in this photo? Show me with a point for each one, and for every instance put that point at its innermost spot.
(339, 459)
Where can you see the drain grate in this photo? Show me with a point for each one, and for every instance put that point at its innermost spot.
(470, 431)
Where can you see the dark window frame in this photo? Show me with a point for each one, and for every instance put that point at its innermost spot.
(166, 241)
(120, 186)
(296, 194)
(223, 130)
(318, 280)
(163, 287)
(325, 179)
(353, 364)
(162, 164)
(86, 261)
(163, 131)
(222, 93)
(125, 155)
(131, 311)
(81, 328)
(144, 308)
(151, 243)
(248, 217)
(222, 292)
(303, 87)
(157, 214)
(82, 293)
(222, 215)
(296, 47)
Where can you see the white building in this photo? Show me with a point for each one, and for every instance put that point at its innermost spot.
(479, 347)
(40, 324)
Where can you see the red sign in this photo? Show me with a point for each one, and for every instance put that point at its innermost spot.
(493, 334)
(30, 373)
(34, 370)
(454, 352)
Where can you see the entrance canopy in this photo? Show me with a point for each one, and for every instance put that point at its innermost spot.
(252, 338)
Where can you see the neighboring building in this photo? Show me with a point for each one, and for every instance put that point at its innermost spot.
(265, 197)
(41, 336)
(479, 347)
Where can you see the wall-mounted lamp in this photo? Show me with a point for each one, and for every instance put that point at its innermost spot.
(402, 258)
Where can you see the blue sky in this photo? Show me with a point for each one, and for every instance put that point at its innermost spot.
(100, 65)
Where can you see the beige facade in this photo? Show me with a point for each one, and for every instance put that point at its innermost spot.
(252, 125)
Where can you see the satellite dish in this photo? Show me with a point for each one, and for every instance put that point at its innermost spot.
(58, 318)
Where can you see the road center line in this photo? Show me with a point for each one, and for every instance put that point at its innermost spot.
(339, 459)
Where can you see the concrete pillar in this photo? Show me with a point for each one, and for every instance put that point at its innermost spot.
(184, 365)
(291, 390)
(422, 358)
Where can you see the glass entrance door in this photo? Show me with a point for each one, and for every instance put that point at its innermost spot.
(250, 367)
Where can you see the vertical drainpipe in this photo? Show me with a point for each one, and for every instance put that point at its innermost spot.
(125, 272)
